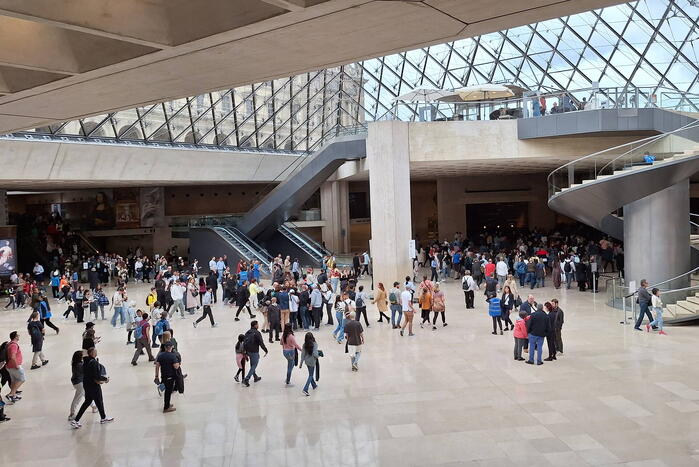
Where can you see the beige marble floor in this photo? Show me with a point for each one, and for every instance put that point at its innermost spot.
(454, 396)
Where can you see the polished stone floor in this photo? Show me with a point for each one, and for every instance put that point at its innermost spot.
(454, 396)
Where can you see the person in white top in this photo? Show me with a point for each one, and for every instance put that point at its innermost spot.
(406, 301)
(469, 286)
(657, 305)
(501, 271)
(177, 291)
(118, 306)
(212, 264)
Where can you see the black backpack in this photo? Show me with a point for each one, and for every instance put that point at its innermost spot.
(249, 341)
(567, 267)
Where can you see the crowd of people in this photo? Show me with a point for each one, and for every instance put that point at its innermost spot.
(296, 300)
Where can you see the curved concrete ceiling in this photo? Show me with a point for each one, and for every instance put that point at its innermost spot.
(65, 59)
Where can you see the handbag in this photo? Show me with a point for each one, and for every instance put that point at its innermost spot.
(518, 301)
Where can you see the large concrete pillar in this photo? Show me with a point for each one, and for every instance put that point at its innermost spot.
(451, 208)
(388, 159)
(334, 210)
(656, 237)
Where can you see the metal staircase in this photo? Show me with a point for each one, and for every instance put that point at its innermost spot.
(246, 247)
(312, 248)
(592, 189)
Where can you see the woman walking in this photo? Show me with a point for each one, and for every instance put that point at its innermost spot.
(76, 379)
(240, 357)
(309, 356)
(94, 375)
(290, 350)
(340, 308)
(438, 306)
(556, 274)
(507, 302)
(381, 301)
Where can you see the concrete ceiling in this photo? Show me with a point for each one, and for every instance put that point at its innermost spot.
(64, 59)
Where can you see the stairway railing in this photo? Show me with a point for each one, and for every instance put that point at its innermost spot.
(623, 156)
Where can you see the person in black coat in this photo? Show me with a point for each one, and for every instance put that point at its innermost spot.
(538, 327)
(243, 299)
(551, 335)
(507, 302)
(212, 282)
(94, 376)
(581, 275)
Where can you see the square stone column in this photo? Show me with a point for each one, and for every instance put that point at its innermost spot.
(388, 159)
(334, 210)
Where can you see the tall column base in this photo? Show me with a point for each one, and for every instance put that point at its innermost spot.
(388, 158)
(656, 237)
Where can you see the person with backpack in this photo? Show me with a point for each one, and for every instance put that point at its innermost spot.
(94, 375)
(394, 303)
(141, 335)
(252, 343)
(469, 286)
(160, 327)
(36, 332)
(101, 299)
(167, 366)
(568, 270)
(360, 300)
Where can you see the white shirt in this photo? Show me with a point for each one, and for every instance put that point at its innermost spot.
(293, 303)
(501, 268)
(177, 291)
(212, 265)
(406, 300)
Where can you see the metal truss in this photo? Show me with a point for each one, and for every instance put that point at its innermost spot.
(641, 44)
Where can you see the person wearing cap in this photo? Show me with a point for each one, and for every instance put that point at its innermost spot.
(167, 364)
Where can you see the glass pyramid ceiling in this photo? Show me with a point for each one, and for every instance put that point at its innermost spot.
(646, 43)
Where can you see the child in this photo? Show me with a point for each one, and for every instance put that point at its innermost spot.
(657, 305)
(520, 334)
(240, 357)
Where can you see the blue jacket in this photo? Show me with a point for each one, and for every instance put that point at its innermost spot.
(494, 307)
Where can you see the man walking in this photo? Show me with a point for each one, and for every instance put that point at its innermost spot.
(355, 339)
(142, 336)
(537, 328)
(177, 291)
(14, 367)
(167, 364)
(316, 306)
(252, 343)
(406, 300)
(644, 299)
(469, 287)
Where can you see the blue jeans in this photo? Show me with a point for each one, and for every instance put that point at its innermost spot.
(396, 310)
(569, 279)
(658, 321)
(538, 342)
(289, 355)
(339, 331)
(118, 311)
(305, 317)
(310, 381)
(521, 280)
(644, 311)
(254, 360)
(531, 279)
(335, 283)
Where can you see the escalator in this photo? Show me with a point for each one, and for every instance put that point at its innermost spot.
(313, 252)
(264, 219)
(216, 240)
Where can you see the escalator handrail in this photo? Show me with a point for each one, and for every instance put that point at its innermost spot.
(294, 233)
(317, 245)
(252, 243)
(249, 253)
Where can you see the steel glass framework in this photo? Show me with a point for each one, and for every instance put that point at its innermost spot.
(641, 44)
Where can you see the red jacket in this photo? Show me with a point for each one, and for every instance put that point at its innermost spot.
(521, 329)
